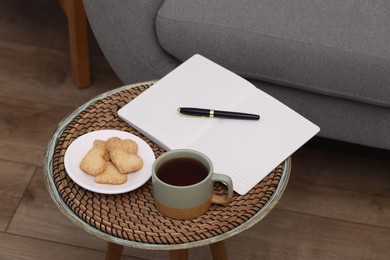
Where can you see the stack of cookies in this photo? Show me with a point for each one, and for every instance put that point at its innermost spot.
(110, 161)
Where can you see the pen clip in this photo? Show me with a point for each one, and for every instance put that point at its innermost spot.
(185, 115)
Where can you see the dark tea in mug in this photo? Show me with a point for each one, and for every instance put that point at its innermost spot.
(183, 183)
(182, 172)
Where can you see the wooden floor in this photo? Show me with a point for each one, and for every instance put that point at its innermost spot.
(336, 205)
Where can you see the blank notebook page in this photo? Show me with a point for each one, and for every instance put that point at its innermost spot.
(246, 150)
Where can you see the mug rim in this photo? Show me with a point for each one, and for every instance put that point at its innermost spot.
(210, 171)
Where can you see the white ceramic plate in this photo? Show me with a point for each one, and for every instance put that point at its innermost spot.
(79, 148)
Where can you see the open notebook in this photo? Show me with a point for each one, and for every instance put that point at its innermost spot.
(246, 150)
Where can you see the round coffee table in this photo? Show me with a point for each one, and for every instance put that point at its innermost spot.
(131, 219)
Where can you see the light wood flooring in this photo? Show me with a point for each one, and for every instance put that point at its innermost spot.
(336, 205)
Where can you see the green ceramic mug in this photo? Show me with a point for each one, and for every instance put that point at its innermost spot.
(183, 183)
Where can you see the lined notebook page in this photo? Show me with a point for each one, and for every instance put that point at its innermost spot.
(195, 83)
(243, 149)
(248, 150)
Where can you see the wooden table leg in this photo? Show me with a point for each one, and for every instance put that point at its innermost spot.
(178, 254)
(114, 251)
(218, 251)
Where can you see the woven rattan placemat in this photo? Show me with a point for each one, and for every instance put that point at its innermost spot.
(133, 216)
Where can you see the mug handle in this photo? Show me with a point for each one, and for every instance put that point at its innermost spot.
(222, 200)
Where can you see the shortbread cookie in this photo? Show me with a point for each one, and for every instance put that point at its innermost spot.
(127, 145)
(126, 162)
(111, 175)
(94, 162)
(102, 145)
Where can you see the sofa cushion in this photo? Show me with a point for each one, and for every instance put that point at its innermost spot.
(334, 47)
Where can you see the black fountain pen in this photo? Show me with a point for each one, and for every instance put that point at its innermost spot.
(192, 111)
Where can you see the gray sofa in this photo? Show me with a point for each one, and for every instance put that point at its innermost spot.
(328, 60)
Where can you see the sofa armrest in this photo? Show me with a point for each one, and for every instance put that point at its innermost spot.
(125, 31)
